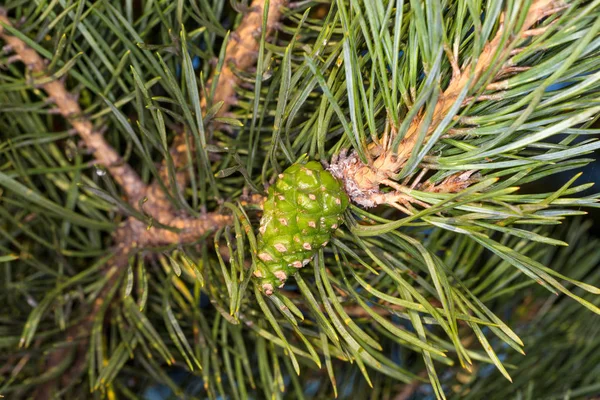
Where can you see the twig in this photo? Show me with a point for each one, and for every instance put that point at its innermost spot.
(488, 56)
(135, 234)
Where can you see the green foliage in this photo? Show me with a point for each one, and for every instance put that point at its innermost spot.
(416, 285)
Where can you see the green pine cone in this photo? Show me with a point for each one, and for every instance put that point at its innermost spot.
(303, 208)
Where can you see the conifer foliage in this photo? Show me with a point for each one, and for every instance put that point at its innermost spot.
(166, 166)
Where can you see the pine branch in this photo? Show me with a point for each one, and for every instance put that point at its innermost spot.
(493, 51)
(241, 54)
(392, 151)
(67, 105)
(134, 235)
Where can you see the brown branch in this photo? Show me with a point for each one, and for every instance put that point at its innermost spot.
(67, 105)
(242, 49)
(137, 235)
(190, 229)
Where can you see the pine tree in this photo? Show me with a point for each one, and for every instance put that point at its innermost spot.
(154, 154)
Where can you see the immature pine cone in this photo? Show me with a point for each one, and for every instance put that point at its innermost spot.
(303, 208)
